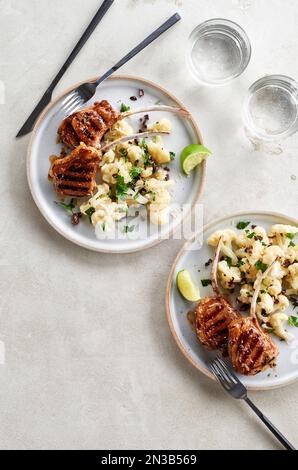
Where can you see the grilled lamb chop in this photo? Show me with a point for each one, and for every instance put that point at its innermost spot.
(75, 174)
(90, 124)
(251, 349)
(213, 315)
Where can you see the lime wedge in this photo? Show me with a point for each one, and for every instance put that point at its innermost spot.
(187, 287)
(192, 156)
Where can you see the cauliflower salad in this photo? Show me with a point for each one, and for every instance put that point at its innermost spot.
(246, 254)
(132, 174)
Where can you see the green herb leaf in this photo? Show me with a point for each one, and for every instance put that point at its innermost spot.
(291, 236)
(242, 225)
(90, 212)
(206, 282)
(292, 244)
(261, 266)
(121, 186)
(229, 261)
(251, 235)
(68, 207)
(124, 108)
(293, 321)
(135, 172)
(124, 153)
(172, 156)
(240, 263)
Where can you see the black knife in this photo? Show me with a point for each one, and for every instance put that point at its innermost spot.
(46, 98)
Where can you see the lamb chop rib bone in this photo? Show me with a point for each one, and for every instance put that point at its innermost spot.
(90, 124)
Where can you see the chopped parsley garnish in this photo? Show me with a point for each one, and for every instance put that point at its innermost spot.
(261, 266)
(229, 261)
(291, 236)
(127, 228)
(144, 146)
(240, 263)
(124, 153)
(90, 212)
(68, 207)
(172, 156)
(292, 243)
(242, 225)
(121, 186)
(250, 234)
(293, 321)
(206, 282)
(124, 108)
(135, 172)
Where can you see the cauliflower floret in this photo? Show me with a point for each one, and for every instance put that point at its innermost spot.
(265, 303)
(158, 215)
(292, 254)
(261, 233)
(256, 252)
(278, 271)
(229, 276)
(161, 174)
(246, 294)
(277, 321)
(279, 234)
(120, 129)
(250, 271)
(147, 172)
(135, 154)
(108, 170)
(273, 286)
(271, 253)
(281, 303)
(153, 185)
(228, 237)
(158, 152)
(163, 125)
(292, 277)
(108, 157)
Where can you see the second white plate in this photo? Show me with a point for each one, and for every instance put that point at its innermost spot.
(193, 257)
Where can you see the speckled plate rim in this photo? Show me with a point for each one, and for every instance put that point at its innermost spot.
(236, 215)
(149, 83)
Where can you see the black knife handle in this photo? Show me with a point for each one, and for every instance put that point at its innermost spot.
(164, 27)
(86, 35)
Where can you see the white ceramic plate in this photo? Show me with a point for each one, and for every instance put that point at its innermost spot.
(193, 257)
(43, 144)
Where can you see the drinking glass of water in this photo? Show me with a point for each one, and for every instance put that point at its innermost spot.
(219, 51)
(271, 108)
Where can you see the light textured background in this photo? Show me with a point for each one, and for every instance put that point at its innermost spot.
(90, 362)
